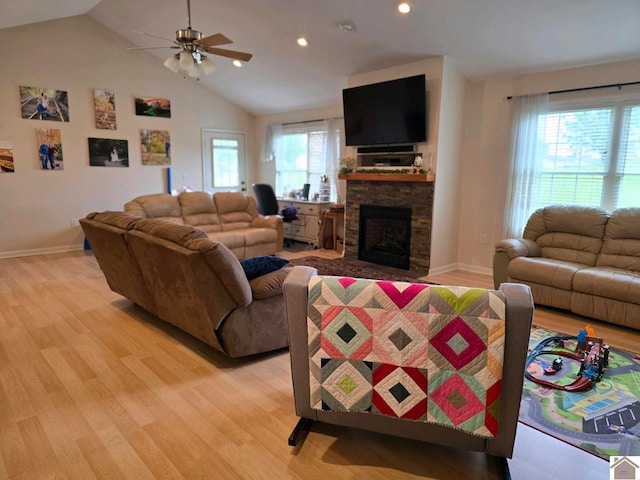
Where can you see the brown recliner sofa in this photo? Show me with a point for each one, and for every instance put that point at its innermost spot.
(582, 259)
(342, 332)
(230, 218)
(185, 278)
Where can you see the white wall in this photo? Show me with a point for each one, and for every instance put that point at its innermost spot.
(486, 145)
(77, 55)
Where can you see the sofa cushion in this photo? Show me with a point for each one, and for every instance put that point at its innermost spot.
(179, 234)
(257, 236)
(567, 232)
(233, 208)
(199, 210)
(255, 266)
(543, 271)
(613, 283)
(269, 285)
(158, 205)
(621, 247)
(115, 219)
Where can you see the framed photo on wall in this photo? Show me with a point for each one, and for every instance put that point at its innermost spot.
(6, 157)
(155, 147)
(49, 142)
(153, 107)
(44, 104)
(104, 107)
(107, 152)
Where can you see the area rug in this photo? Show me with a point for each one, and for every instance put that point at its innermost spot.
(354, 268)
(604, 420)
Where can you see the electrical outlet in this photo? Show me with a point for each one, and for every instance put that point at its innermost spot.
(483, 239)
(74, 222)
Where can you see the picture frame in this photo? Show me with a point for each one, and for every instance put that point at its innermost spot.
(153, 107)
(155, 147)
(104, 108)
(108, 152)
(38, 103)
(49, 144)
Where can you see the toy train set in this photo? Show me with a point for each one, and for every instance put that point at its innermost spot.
(590, 351)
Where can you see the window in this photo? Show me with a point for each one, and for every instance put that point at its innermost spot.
(591, 155)
(307, 154)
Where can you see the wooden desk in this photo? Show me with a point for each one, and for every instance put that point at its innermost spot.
(306, 227)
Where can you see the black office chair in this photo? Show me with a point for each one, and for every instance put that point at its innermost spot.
(268, 203)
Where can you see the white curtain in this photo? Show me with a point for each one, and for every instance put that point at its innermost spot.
(526, 155)
(272, 143)
(332, 149)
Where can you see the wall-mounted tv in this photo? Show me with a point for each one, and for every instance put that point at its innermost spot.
(386, 113)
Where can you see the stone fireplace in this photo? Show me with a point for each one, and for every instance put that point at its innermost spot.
(410, 192)
(384, 235)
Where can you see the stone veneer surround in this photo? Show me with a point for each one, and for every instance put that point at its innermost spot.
(415, 195)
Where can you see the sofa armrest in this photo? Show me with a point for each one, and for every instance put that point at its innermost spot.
(296, 304)
(508, 249)
(518, 247)
(271, 221)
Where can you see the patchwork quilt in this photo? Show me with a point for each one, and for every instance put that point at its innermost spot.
(413, 351)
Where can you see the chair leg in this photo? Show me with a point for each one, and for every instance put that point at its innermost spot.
(300, 431)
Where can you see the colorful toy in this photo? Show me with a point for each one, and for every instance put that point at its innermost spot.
(590, 351)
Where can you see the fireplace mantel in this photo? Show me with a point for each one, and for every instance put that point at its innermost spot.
(387, 177)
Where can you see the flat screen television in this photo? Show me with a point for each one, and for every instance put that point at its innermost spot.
(386, 113)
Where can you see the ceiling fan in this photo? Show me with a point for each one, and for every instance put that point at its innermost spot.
(193, 46)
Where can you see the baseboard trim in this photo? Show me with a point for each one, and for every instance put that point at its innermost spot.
(461, 266)
(42, 251)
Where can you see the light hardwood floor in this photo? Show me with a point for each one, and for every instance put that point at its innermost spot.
(92, 386)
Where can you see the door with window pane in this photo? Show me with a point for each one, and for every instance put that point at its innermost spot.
(223, 161)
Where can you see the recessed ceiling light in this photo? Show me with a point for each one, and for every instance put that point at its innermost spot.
(347, 26)
(404, 7)
(302, 42)
(237, 63)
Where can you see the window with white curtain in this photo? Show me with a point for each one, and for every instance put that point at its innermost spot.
(307, 152)
(591, 155)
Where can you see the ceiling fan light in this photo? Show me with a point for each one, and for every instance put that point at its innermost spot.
(207, 66)
(172, 63)
(194, 71)
(186, 61)
(237, 63)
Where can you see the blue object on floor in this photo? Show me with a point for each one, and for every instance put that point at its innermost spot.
(86, 244)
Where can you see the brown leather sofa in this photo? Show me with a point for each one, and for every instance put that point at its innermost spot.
(230, 218)
(185, 278)
(395, 335)
(582, 259)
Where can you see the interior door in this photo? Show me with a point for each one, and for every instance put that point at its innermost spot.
(224, 161)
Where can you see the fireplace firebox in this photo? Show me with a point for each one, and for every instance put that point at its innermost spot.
(385, 235)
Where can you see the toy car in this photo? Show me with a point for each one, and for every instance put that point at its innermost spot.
(554, 368)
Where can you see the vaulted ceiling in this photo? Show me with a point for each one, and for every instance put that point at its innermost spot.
(482, 37)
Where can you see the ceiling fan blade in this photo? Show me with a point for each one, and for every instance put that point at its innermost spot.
(154, 36)
(245, 57)
(150, 48)
(214, 40)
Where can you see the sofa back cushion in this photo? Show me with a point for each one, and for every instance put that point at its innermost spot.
(568, 232)
(199, 210)
(621, 248)
(162, 206)
(234, 210)
(107, 235)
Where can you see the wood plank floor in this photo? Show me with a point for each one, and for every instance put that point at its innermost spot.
(92, 386)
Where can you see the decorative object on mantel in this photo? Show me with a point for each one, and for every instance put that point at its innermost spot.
(347, 164)
(191, 59)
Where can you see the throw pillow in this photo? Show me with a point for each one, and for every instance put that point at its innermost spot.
(255, 266)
